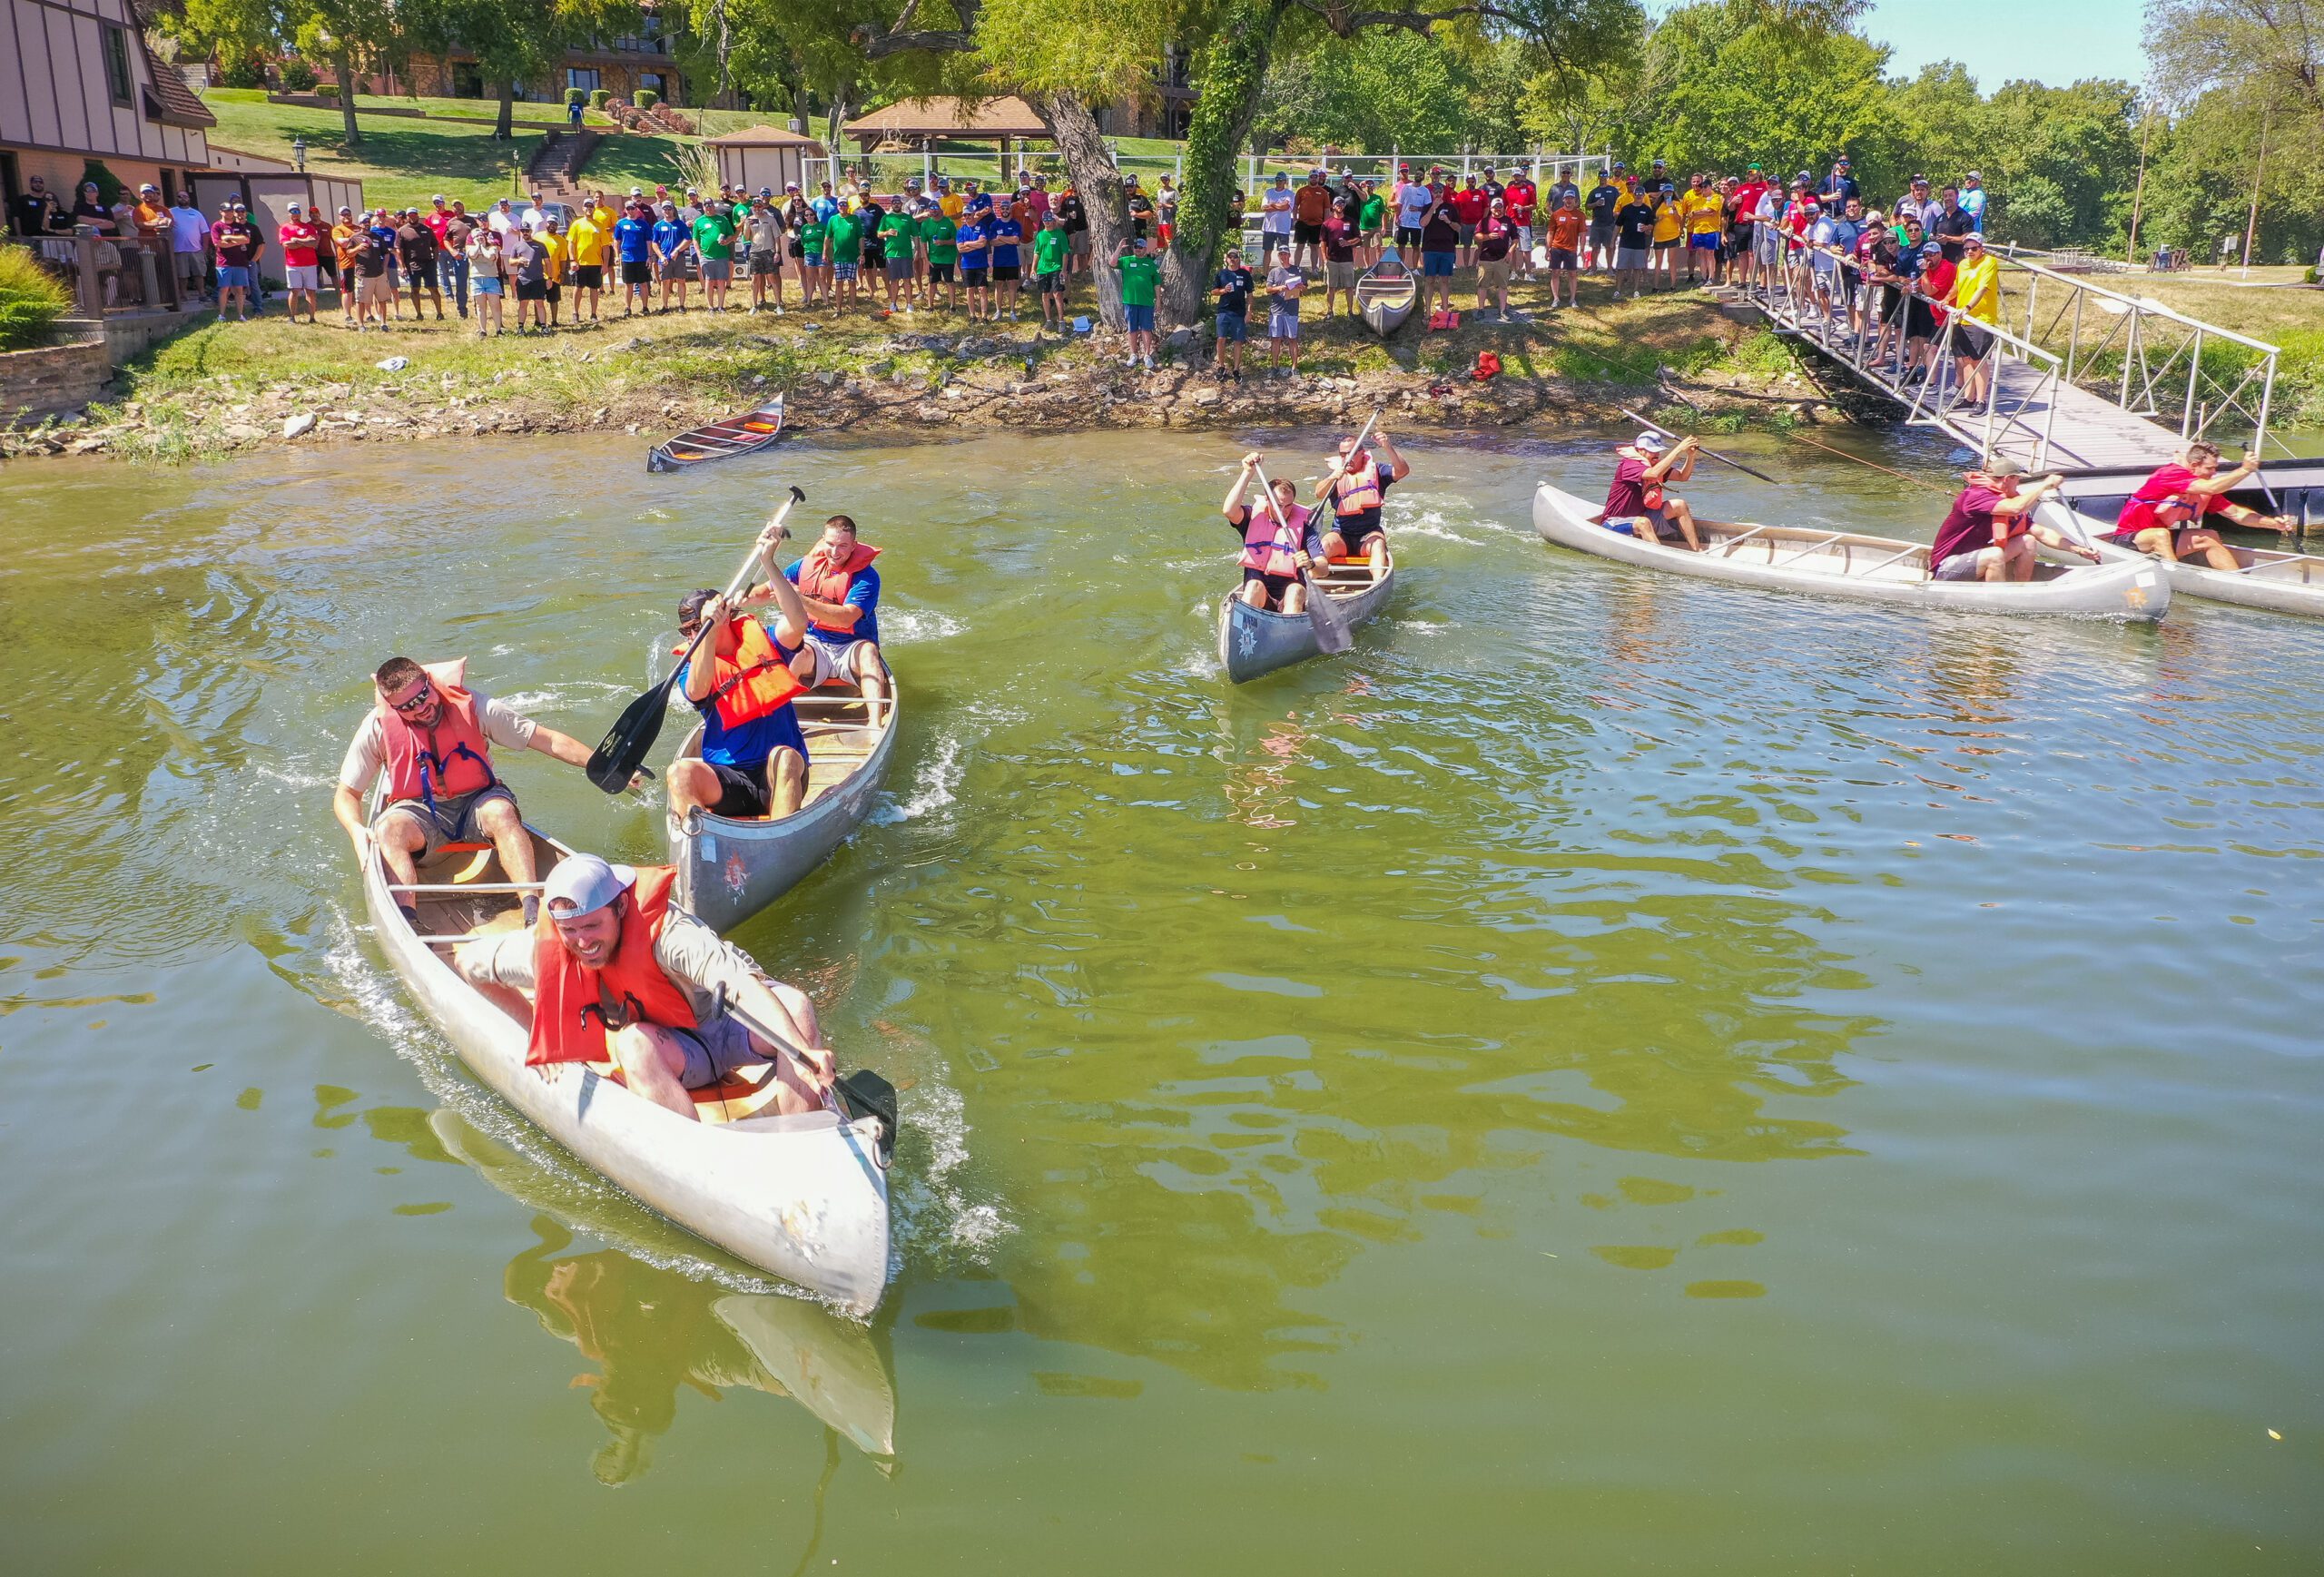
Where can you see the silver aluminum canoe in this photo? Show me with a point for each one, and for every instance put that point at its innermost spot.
(2278, 581)
(1251, 642)
(1846, 564)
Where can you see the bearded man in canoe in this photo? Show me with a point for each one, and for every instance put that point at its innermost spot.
(615, 973)
(2163, 518)
(841, 592)
(742, 679)
(1989, 533)
(1355, 482)
(434, 739)
(1637, 504)
(1275, 546)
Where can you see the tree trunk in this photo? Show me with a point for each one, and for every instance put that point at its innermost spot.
(504, 125)
(343, 71)
(1099, 181)
(1226, 102)
(841, 104)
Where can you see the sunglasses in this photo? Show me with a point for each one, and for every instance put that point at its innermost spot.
(417, 700)
(690, 630)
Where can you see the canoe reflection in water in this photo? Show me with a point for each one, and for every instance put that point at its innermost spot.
(652, 1331)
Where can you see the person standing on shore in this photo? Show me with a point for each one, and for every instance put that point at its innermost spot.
(1139, 274)
(485, 276)
(1563, 253)
(1008, 234)
(1233, 284)
(416, 248)
(375, 292)
(1604, 200)
(189, 238)
(1049, 257)
(673, 244)
(633, 245)
(714, 244)
(522, 257)
(585, 242)
(238, 247)
(302, 240)
(1287, 282)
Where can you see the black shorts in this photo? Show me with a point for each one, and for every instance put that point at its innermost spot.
(795, 248)
(1407, 235)
(637, 274)
(1602, 234)
(1972, 341)
(1355, 533)
(1306, 234)
(588, 276)
(740, 794)
(535, 291)
(1276, 584)
(1006, 271)
(1666, 245)
(1920, 323)
(553, 292)
(940, 273)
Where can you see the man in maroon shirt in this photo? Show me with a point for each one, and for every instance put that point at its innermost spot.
(1989, 534)
(1636, 505)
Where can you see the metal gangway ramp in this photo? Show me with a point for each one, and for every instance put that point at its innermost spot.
(2088, 380)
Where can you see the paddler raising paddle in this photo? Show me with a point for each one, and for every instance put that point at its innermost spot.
(433, 738)
(1275, 550)
(754, 759)
(1637, 504)
(1356, 482)
(841, 592)
(616, 972)
(1989, 534)
(2164, 517)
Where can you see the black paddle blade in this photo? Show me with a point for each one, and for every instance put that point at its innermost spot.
(615, 762)
(864, 1093)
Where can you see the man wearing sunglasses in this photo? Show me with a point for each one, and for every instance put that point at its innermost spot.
(434, 740)
(742, 679)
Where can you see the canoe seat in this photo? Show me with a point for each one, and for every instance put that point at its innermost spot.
(791, 1122)
(748, 1092)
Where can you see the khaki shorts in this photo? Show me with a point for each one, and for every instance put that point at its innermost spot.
(453, 820)
(1339, 276)
(712, 1050)
(1492, 275)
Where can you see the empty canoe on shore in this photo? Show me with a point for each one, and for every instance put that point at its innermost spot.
(729, 868)
(1251, 642)
(2279, 581)
(805, 1197)
(719, 440)
(1848, 564)
(1386, 292)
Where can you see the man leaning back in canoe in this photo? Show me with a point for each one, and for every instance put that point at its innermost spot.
(742, 679)
(1356, 483)
(616, 972)
(1989, 533)
(841, 591)
(434, 740)
(1637, 504)
(2164, 517)
(1275, 549)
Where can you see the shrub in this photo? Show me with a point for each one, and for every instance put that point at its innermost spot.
(247, 70)
(298, 76)
(327, 90)
(30, 298)
(645, 98)
(574, 95)
(599, 98)
(109, 186)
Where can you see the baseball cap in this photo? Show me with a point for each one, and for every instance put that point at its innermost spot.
(293, 207)
(149, 186)
(791, 186)
(1751, 166)
(583, 885)
(767, 191)
(1619, 166)
(1974, 175)
(439, 197)
(1932, 248)
(1651, 443)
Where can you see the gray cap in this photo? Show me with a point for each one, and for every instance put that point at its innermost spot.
(583, 885)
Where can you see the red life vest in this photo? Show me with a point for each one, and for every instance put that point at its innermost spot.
(821, 577)
(1356, 492)
(753, 682)
(2139, 509)
(1268, 541)
(451, 759)
(569, 1001)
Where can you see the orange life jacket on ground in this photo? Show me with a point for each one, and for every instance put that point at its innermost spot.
(571, 1018)
(451, 759)
(1357, 489)
(756, 680)
(1268, 541)
(822, 577)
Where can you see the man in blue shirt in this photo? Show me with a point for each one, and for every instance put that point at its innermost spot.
(976, 263)
(1838, 187)
(740, 678)
(1973, 199)
(1005, 232)
(672, 245)
(1603, 199)
(841, 592)
(1232, 283)
(633, 245)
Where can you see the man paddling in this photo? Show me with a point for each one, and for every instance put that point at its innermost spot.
(841, 592)
(1275, 550)
(434, 741)
(1989, 534)
(1637, 504)
(2164, 517)
(613, 972)
(753, 760)
(1356, 482)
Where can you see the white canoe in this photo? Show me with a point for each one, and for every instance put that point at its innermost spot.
(1387, 292)
(1846, 564)
(729, 869)
(805, 1198)
(2272, 579)
(1251, 641)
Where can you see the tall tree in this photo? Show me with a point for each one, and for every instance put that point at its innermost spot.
(514, 41)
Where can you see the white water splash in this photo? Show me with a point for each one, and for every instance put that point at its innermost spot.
(932, 791)
(924, 624)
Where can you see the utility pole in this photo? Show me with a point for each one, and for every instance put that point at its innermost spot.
(2138, 196)
(2251, 225)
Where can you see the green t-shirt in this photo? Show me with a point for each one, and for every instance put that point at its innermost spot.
(1375, 208)
(713, 237)
(896, 230)
(1049, 251)
(845, 243)
(812, 235)
(938, 231)
(1139, 275)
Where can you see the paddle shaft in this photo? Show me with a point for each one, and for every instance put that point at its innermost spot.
(1700, 448)
(740, 578)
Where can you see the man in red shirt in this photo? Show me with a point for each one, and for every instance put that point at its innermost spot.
(1469, 207)
(1520, 197)
(301, 240)
(1989, 534)
(2161, 519)
(1740, 212)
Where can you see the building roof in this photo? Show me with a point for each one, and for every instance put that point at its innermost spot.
(767, 137)
(951, 117)
(169, 100)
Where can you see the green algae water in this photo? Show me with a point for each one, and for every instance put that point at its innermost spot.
(1613, 1074)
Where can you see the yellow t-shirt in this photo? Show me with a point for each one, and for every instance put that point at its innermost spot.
(552, 257)
(588, 243)
(604, 218)
(1705, 214)
(1977, 288)
(1666, 218)
(951, 205)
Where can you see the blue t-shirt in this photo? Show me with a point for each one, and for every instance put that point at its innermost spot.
(864, 592)
(631, 237)
(1006, 234)
(824, 207)
(1972, 203)
(669, 236)
(980, 203)
(970, 232)
(746, 748)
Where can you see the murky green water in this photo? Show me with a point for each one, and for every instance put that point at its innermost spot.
(1616, 1074)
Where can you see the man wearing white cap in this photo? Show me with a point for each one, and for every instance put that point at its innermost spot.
(1635, 504)
(616, 972)
(302, 241)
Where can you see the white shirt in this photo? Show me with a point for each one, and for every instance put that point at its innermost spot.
(534, 217)
(501, 219)
(189, 228)
(1277, 205)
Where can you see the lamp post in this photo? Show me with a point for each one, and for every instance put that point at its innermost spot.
(299, 153)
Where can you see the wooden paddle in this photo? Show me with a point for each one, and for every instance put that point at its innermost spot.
(861, 1093)
(1700, 448)
(616, 760)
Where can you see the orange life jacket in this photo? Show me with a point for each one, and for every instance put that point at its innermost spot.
(1357, 489)
(822, 577)
(571, 1012)
(451, 759)
(1268, 541)
(756, 680)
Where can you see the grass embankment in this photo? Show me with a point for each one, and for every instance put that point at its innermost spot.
(223, 387)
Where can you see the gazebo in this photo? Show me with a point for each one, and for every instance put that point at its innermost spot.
(923, 122)
(765, 156)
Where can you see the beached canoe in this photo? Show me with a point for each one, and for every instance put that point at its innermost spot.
(1386, 292)
(719, 440)
(805, 1197)
(2279, 581)
(1251, 642)
(730, 869)
(1848, 564)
